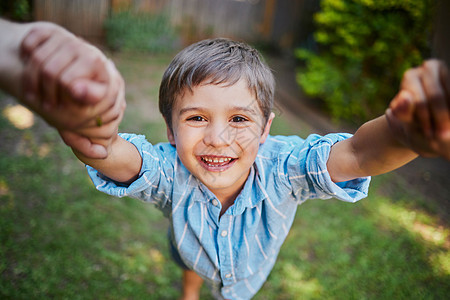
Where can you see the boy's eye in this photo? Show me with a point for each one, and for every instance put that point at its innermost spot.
(238, 119)
(196, 119)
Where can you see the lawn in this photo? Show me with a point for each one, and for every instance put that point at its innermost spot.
(62, 239)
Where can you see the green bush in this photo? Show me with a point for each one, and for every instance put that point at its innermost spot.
(16, 10)
(364, 46)
(139, 32)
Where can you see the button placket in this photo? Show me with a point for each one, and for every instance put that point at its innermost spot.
(224, 250)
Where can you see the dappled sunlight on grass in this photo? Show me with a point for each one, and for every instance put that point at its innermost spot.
(413, 221)
(441, 263)
(423, 226)
(295, 283)
(20, 116)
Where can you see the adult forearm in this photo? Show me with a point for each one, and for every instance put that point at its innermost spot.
(373, 150)
(11, 65)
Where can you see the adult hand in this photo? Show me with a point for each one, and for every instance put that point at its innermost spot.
(73, 87)
(420, 113)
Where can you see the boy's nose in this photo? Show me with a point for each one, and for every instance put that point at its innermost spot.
(219, 135)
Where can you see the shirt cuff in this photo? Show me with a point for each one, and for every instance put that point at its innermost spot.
(316, 165)
(111, 187)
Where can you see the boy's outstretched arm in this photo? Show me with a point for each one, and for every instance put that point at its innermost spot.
(122, 164)
(417, 122)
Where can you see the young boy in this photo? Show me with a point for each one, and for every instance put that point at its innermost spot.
(229, 189)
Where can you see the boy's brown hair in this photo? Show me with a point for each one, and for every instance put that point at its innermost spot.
(216, 61)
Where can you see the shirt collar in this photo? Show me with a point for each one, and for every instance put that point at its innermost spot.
(250, 195)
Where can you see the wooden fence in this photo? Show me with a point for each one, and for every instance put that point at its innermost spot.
(271, 21)
(279, 22)
(82, 17)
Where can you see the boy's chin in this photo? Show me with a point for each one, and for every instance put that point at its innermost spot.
(224, 183)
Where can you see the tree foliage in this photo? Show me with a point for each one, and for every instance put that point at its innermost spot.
(364, 46)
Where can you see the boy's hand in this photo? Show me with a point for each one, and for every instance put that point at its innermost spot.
(73, 87)
(419, 115)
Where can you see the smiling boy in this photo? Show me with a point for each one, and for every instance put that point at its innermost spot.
(229, 189)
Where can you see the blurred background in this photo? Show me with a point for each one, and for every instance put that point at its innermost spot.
(337, 64)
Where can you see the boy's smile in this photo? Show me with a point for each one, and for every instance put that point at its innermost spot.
(217, 130)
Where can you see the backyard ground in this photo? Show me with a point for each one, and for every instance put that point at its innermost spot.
(60, 238)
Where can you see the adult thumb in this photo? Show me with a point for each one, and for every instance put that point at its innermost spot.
(402, 106)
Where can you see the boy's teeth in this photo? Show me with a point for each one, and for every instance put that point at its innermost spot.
(216, 160)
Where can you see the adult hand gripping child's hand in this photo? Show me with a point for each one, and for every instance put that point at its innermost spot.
(419, 115)
(74, 87)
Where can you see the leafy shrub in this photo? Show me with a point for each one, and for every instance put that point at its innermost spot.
(364, 46)
(17, 10)
(140, 32)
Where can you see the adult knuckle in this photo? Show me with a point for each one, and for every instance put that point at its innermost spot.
(97, 60)
(48, 72)
(410, 73)
(433, 63)
(37, 58)
(435, 97)
(429, 64)
(65, 80)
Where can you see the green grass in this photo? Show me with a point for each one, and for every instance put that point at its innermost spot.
(62, 239)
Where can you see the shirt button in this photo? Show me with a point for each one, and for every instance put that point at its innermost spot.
(215, 202)
(224, 233)
(228, 276)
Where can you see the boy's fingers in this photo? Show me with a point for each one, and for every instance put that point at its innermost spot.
(112, 115)
(115, 94)
(104, 132)
(436, 96)
(83, 145)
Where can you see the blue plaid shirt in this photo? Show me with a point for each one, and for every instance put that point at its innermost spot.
(235, 253)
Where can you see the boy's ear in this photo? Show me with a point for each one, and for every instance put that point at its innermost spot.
(267, 128)
(170, 135)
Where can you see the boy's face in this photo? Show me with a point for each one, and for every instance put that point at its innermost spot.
(217, 130)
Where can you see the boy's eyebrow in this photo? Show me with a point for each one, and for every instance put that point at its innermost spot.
(188, 109)
(247, 109)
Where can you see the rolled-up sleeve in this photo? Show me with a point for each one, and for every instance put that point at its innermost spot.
(306, 167)
(154, 183)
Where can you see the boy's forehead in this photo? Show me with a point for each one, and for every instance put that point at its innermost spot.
(248, 103)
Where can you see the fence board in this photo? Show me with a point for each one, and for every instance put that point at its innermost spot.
(271, 21)
(82, 17)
